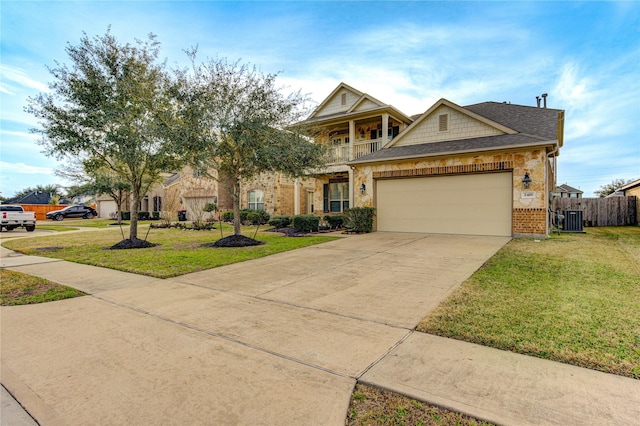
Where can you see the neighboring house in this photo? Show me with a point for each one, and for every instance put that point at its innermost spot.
(632, 189)
(35, 197)
(483, 169)
(566, 191)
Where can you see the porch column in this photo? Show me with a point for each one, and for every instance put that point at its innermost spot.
(351, 187)
(385, 129)
(296, 197)
(352, 138)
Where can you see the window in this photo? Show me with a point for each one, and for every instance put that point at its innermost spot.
(157, 204)
(256, 199)
(343, 99)
(443, 122)
(336, 197)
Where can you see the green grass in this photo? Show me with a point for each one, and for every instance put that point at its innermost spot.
(371, 406)
(573, 298)
(21, 289)
(178, 252)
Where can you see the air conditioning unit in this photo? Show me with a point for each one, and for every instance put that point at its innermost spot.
(572, 221)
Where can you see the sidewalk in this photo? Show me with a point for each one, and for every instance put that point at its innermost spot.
(503, 387)
(144, 349)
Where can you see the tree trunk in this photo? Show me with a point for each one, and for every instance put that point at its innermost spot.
(236, 207)
(133, 227)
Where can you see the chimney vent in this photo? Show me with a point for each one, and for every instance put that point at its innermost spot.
(538, 101)
(544, 97)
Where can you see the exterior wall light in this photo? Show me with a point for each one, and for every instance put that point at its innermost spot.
(363, 188)
(526, 181)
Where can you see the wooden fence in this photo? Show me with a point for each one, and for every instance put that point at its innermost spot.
(612, 211)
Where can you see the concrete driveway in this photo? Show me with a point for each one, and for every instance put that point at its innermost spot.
(278, 340)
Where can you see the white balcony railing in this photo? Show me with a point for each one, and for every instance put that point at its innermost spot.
(340, 154)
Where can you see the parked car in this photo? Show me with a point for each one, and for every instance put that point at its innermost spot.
(14, 217)
(73, 211)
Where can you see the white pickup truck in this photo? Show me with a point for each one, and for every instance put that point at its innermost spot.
(14, 217)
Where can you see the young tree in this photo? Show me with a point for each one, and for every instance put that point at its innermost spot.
(110, 105)
(236, 121)
(610, 188)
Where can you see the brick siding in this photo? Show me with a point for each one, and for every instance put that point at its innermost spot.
(529, 221)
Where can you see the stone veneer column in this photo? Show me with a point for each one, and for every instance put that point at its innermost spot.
(296, 197)
(351, 185)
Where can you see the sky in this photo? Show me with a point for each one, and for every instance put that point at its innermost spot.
(585, 55)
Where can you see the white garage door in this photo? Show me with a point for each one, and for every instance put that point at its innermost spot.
(478, 204)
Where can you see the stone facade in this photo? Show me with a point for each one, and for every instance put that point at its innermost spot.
(529, 205)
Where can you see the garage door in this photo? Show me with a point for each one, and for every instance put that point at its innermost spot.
(477, 204)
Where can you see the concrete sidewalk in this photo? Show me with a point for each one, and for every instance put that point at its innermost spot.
(503, 387)
(281, 340)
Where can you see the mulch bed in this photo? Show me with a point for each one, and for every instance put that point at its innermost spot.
(289, 232)
(235, 241)
(132, 244)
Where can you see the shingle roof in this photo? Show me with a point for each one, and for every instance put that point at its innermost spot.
(566, 188)
(486, 143)
(35, 197)
(524, 119)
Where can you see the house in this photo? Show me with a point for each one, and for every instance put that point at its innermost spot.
(482, 169)
(34, 197)
(566, 191)
(632, 189)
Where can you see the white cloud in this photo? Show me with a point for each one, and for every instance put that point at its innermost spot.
(23, 168)
(20, 77)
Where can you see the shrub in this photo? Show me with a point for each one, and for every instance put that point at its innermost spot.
(155, 215)
(306, 223)
(143, 215)
(334, 222)
(359, 219)
(280, 221)
(126, 215)
(210, 207)
(263, 216)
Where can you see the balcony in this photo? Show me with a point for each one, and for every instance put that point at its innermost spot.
(340, 154)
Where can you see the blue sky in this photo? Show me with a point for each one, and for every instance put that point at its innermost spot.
(585, 55)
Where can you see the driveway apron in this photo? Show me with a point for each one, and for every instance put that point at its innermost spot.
(277, 340)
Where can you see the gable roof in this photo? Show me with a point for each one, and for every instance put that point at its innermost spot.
(341, 86)
(35, 197)
(523, 126)
(453, 106)
(569, 189)
(351, 111)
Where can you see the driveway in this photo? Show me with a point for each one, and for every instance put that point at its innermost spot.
(277, 340)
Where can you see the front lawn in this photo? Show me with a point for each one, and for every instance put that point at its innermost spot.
(573, 298)
(178, 252)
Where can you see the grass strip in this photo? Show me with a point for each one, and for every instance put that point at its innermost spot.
(17, 288)
(370, 406)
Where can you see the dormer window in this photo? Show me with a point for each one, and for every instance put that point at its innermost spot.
(443, 122)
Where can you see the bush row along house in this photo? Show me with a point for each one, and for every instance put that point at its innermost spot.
(482, 169)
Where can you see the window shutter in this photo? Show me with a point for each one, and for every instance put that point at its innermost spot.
(325, 198)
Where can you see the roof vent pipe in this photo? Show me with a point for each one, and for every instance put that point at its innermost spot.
(538, 101)
(544, 97)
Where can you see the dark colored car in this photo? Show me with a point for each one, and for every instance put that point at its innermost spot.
(73, 211)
